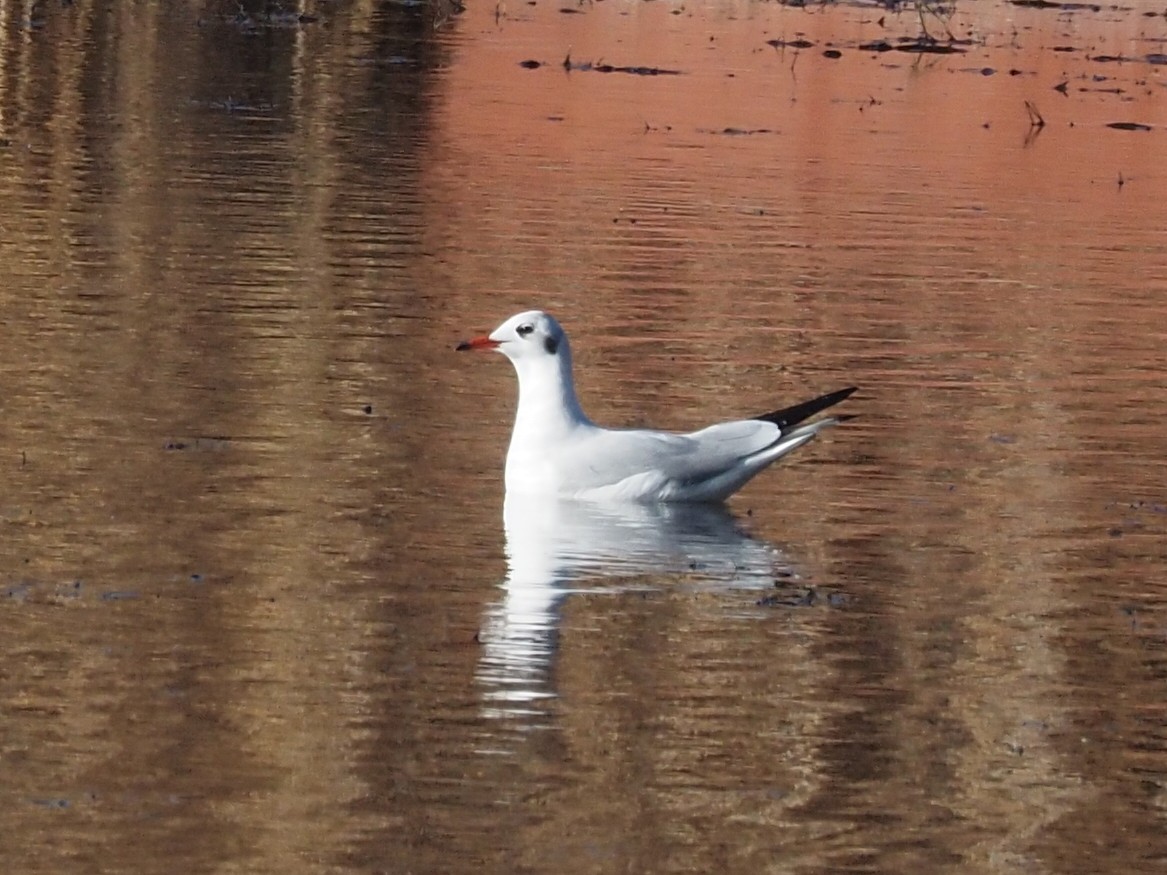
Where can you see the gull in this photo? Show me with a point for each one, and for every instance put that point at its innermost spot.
(556, 451)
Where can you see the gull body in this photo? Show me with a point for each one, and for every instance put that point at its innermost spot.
(556, 450)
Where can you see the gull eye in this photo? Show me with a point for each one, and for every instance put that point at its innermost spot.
(525, 329)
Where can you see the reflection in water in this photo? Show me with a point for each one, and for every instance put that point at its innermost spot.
(555, 546)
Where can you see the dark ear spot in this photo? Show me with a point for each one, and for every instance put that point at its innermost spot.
(551, 344)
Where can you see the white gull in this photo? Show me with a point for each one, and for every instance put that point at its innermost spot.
(556, 450)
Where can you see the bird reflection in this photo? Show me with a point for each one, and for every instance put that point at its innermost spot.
(557, 546)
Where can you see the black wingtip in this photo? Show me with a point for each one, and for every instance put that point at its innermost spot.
(789, 416)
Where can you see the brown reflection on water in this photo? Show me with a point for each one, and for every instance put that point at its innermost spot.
(191, 295)
(256, 578)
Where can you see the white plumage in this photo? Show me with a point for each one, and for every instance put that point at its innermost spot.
(556, 450)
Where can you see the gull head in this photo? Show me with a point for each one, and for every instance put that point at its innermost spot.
(526, 337)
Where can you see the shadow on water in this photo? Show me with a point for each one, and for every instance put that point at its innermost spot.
(556, 548)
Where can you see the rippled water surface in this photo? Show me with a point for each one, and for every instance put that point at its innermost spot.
(264, 606)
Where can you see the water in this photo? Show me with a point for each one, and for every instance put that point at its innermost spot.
(263, 608)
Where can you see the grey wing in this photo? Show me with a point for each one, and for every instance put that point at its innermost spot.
(612, 456)
(727, 445)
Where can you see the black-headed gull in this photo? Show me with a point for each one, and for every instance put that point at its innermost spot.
(557, 451)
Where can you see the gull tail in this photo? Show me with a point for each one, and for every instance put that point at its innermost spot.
(791, 436)
(791, 416)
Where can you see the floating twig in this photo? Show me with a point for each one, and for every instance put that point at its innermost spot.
(1035, 119)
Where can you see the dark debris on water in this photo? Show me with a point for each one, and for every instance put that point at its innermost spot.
(1064, 7)
(919, 46)
(790, 44)
(39, 592)
(790, 596)
(590, 67)
(736, 132)
(1155, 59)
(198, 444)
